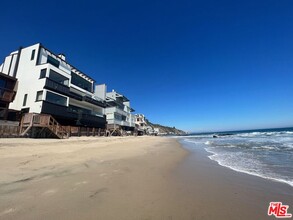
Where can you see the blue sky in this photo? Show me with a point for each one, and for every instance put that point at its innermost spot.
(197, 65)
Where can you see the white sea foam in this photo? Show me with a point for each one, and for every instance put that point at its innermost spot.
(208, 143)
(242, 163)
(190, 141)
(200, 136)
(263, 154)
(264, 134)
(264, 147)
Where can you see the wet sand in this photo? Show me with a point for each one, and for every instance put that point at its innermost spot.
(218, 192)
(127, 178)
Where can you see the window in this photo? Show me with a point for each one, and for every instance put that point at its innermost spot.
(43, 73)
(58, 78)
(39, 96)
(81, 82)
(53, 61)
(117, 116)
(2, 83)
(57, 99)
(33, 54)
(77, 109)
(24, 100)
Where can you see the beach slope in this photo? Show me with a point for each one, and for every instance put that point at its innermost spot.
(88, 178)
(126, 178)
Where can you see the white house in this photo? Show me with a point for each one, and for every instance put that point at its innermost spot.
(48, 84)
(118, 111)
(140, 123)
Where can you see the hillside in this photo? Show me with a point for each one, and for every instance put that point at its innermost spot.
(165, 129)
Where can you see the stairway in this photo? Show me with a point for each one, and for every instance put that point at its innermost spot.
(41, 126)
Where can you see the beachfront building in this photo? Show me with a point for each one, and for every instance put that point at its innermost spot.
(141, 124)
(143, 127)
(7, 94)
(118, 111)
(48, 84)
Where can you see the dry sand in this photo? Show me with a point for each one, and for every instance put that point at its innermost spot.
(88, 178)
(131, 178)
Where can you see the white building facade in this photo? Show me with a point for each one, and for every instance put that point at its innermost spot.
(48, 84)
(142, 125)
(118, 110)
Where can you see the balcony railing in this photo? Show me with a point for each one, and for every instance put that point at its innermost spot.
(94, 101)
(6, 95)
(62, 113)
(117, 110)
(57, 110)
(57, 87)
(75, 96)
(121, 123)
(92, 120)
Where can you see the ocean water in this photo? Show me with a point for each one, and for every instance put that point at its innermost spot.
(264, 153)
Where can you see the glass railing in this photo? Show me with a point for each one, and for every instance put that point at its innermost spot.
(6, 95)
(57, 87)
(94, 101)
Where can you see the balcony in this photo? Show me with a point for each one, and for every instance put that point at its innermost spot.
(61, 70)
(116, 110)
(66, 117)
(57, 87)
(6, 95)
(57, 111)
(91, 120)
(94, 101)
(75, 96)
(120, 122)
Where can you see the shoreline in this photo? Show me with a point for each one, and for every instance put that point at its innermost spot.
(210, 154)
(153, 178)
(226, 190)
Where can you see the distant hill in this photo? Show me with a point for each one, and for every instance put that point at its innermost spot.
(165, 129)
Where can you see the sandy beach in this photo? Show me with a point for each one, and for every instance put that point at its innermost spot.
(127, 178)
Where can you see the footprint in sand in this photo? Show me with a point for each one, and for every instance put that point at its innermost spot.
(49, 192)
(78, 184)
(7, 211)
(81, 183)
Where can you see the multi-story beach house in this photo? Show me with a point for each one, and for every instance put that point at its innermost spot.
(140, 120)
(48, 84)
(7, 94)
(118, 111)
(142, 125)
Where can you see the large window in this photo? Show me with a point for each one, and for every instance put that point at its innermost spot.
(7, 84)
(2, 83)
(76, 109)
(118, 116)
(56, 99)
(81, 82)
(58, 78)
(53, 61)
